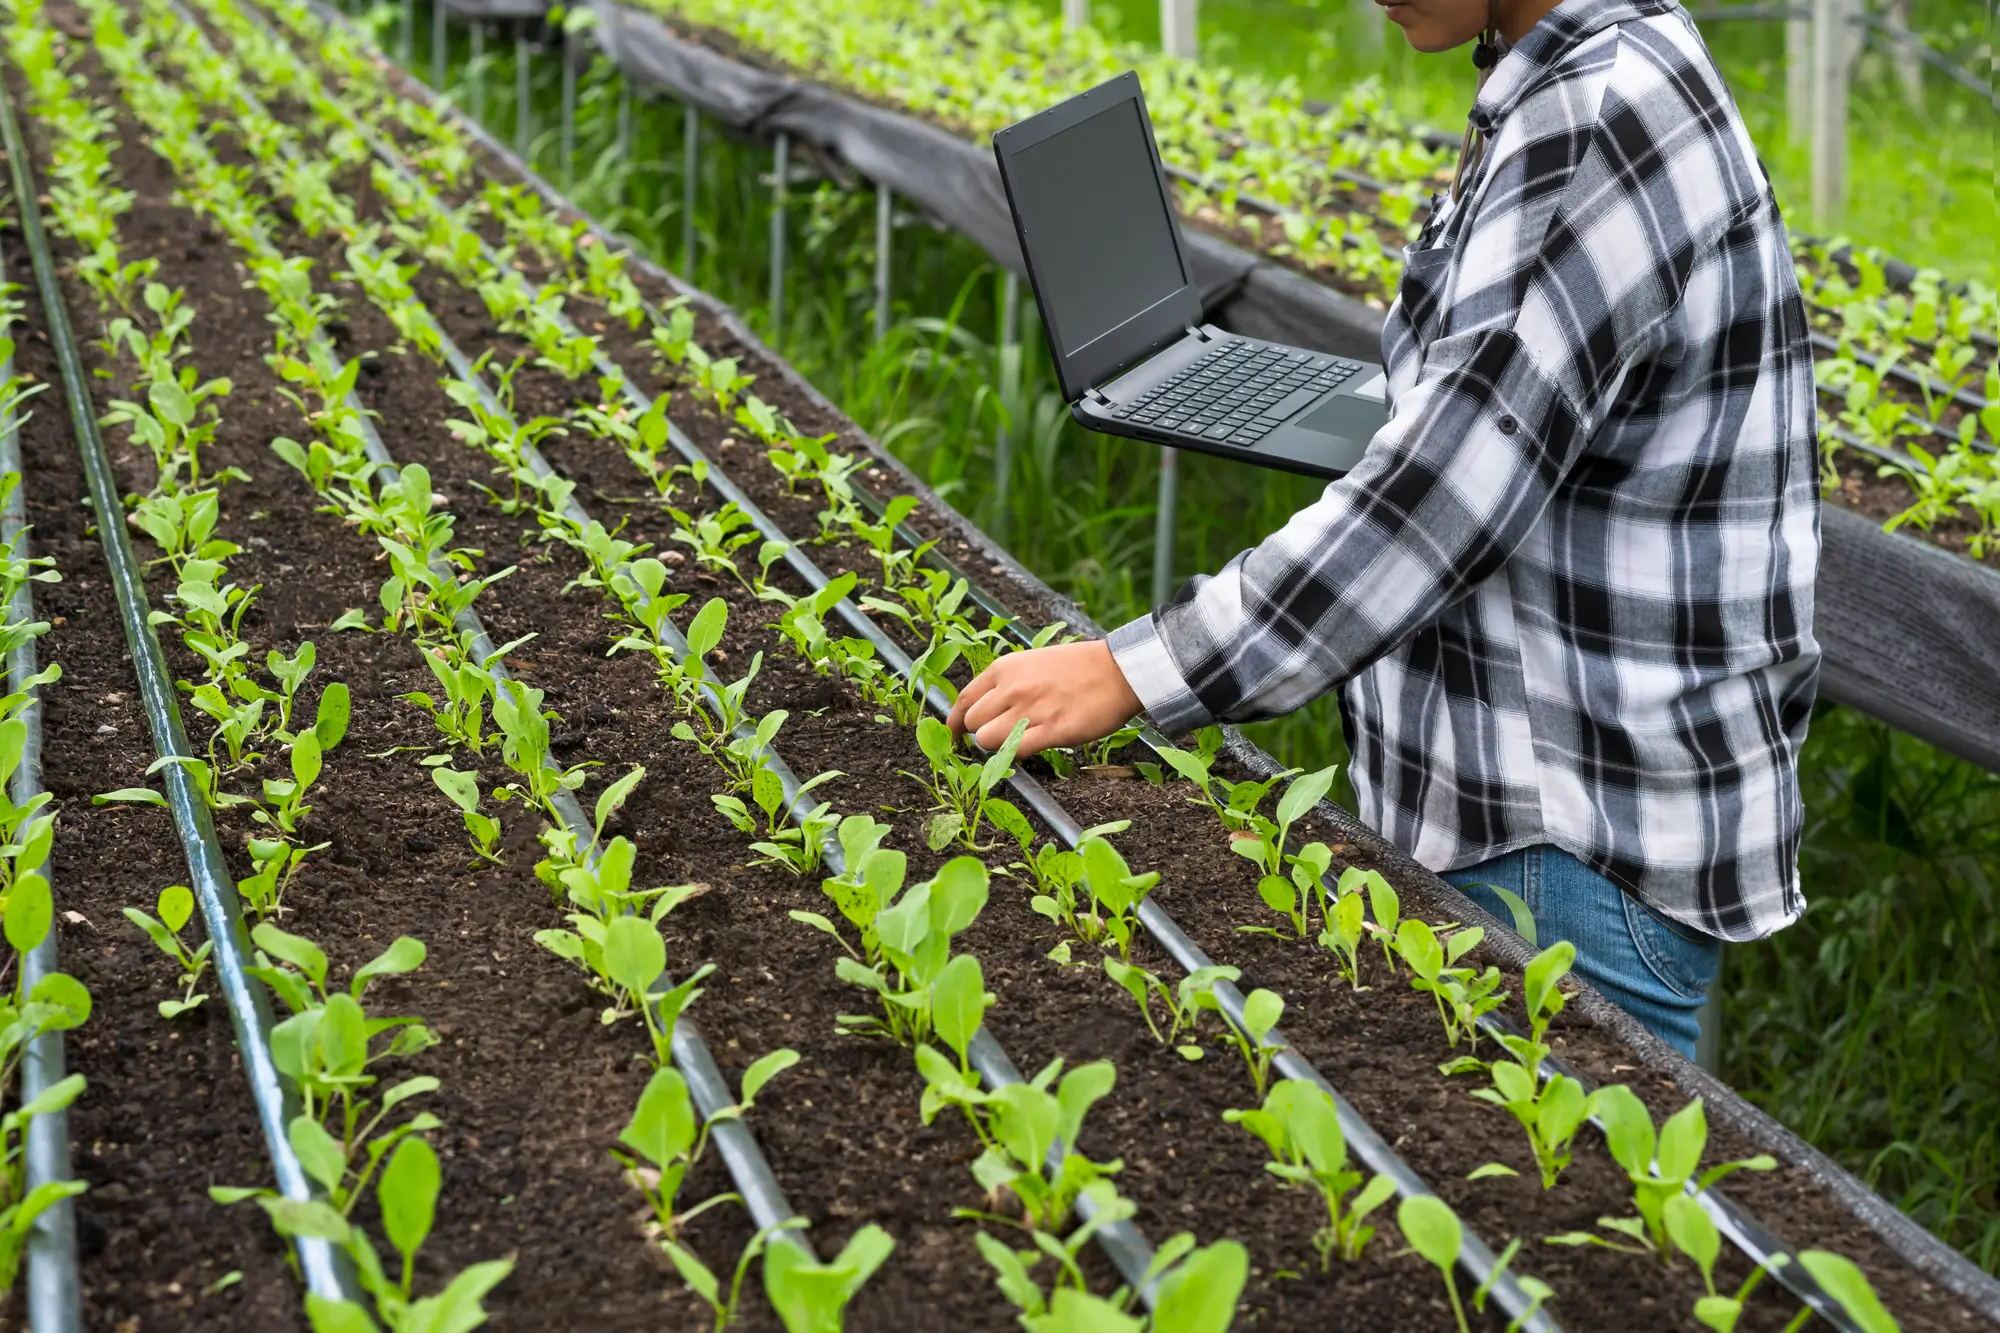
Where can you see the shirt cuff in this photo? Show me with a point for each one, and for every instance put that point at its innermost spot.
(1150, 670)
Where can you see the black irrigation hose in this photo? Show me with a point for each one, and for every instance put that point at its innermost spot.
(52, 1301)
(276, 1100)
(1477, 1259)
(763, 1197)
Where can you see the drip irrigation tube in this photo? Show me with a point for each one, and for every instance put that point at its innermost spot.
(51, 1298)
(763, 1197)
(323, 1267)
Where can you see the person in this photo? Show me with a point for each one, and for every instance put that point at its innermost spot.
(1567, 592)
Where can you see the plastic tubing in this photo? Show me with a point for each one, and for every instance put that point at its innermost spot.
(51, 1292)
(276, 1101)
(745, 1161)
(1474, 1256)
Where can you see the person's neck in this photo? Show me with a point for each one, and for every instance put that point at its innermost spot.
(1515, 18)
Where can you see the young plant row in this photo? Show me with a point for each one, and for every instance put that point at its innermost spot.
(615, 927)
(355, 1138)
(55, 1002)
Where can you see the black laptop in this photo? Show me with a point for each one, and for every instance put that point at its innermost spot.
(1104, 254)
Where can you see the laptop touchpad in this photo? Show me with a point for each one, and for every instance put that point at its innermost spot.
(1345, 417)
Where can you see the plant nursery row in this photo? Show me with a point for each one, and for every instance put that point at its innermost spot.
(552, 690)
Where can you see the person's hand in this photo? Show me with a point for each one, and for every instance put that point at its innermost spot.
(1070, 693)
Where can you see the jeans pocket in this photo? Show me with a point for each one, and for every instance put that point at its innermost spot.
(1684, 964)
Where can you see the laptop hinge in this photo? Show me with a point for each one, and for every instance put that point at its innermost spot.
(1096, 397)
(1198, 334)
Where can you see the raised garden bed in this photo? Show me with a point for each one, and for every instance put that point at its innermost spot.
(533, 1089)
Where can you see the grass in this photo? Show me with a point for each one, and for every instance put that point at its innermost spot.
(1869, 1027)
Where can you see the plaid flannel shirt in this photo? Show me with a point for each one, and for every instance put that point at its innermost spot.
(1567, 591)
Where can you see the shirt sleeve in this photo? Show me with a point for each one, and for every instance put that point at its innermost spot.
(1471, 456)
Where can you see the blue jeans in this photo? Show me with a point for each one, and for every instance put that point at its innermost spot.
(1656, 970)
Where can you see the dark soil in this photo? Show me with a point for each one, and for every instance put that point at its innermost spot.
(535, 1089)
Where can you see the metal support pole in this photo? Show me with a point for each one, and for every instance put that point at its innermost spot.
(1177, 29)
(1708, 1045)
(624, 133)
(1798, 81)
(568, 108)
(1829, 112)
(1076, 13)
(439, 50)
(1010, 377)
(1368, 18)
(475, 70)
(524, 106)
(781, 166)
(885, 228)
(690, 166)
(409, 34)
(1163, 526)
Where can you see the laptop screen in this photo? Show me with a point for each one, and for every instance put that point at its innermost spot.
(1088, 200)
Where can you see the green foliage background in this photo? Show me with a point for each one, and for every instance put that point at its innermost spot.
(1872, 1027)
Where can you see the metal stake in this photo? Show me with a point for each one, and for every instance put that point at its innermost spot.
(1177, 29)
(1708, 1044)
(524, 110)
(624, 132)
(438, 48)
(885, 226)
(691, 161)
(1163, 526)
(1075, 13)
(1010, 368)
(475, 69)
(781, 165)
(1829, 111)
(568, 108)
(1798, 81)
(409, 42)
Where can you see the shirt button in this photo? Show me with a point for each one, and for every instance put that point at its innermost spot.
(1508, 425)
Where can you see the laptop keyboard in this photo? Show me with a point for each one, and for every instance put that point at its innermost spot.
(1238, 392)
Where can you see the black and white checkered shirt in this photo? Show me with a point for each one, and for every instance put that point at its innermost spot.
(1569, 588)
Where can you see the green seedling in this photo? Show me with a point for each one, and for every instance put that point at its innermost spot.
(1661, 1168)
(462, 790)
(1538, 1292)
(1345, 921)
(277, 863)
(1239, 800)
(959, 1001)
(897, 561)
(1261, 1011)
(913, 934)
(1025, 1122)
(1013, 1268)
(963, 789)
(795, 846)
(176, 908)
(329, 1043)
(1551, 1113)
(1300, 1124)
(1263, 840)
(1182, 1011)
(1115, 894)
(811, 1296)
(1462, 994)
(1434, 1233)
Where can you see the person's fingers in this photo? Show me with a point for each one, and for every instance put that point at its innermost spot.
(1037, 739)
(971, 695)
(997, 702)
(992, 735)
